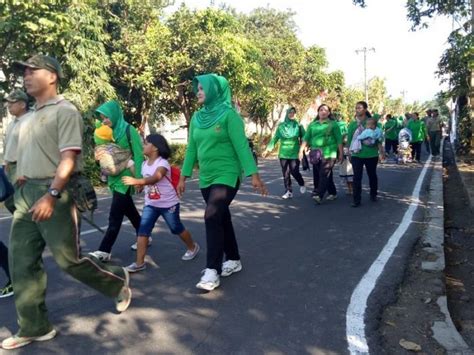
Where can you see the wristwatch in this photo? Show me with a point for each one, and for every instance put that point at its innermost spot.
(54, 192)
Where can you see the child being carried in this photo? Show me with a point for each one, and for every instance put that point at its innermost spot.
(112, 158)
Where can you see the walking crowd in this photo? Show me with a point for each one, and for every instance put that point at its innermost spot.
(43, 161)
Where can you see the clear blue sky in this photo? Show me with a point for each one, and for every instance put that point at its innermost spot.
(407, 60)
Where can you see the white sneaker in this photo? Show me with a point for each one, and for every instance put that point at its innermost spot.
(101, 255)
(134, 245)
(209, 280)
(331, 197)
(287, 195)
(191, 254)
(230, 266)
(15, 341)
(303, 189)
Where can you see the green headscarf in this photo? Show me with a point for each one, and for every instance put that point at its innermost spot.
(113, 111)
(218, 99)
(289, 128)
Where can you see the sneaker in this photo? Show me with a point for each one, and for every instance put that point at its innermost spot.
(317, 199)
(7, 291)
(230, 266)
(355, 204)
(16, 341)
(287, 195)
(303, 189)
(133, 267)
(331, 197)
(134, 245)
(124, 298)
(101, 255)
(191, 254)
(209, 280)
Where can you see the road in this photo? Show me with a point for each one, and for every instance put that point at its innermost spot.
(301, 264)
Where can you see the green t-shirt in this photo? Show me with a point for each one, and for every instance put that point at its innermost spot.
(418, 130)
(324, 135)
(391, 129)
(289, 147)
(222, 152)
(367, 151)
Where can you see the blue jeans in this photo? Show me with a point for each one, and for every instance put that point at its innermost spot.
(151, 214)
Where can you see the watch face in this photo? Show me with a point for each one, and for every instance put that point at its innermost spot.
(54, 192)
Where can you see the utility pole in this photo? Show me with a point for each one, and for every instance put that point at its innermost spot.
(365, 50)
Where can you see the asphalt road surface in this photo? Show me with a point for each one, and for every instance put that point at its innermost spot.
(301, 264)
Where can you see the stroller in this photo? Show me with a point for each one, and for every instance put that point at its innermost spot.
(404, 148)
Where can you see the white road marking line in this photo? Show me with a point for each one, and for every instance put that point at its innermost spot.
(355, 325)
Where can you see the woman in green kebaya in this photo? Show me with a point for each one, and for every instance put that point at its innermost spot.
(418, 134)
(289, 133)
(324, 138)
(217, 142)
(367, 155)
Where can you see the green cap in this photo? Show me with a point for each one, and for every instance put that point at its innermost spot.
(40, 61)
(17, 95)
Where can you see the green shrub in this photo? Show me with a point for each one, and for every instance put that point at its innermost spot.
(177, 153)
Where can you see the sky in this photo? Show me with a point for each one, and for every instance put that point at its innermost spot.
(407, 60)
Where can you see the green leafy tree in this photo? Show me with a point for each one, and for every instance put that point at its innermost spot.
(71, 31)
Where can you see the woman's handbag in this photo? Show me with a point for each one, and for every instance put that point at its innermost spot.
(6, 188)
(315, 156)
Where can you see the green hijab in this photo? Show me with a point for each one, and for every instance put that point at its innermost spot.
(218, 99)
(289, 128)
(113, 111)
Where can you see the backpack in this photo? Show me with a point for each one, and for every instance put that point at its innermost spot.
(175, 176)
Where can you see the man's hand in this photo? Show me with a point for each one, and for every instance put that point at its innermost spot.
(43, 209)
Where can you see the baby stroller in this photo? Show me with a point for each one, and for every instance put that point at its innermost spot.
(404, 148)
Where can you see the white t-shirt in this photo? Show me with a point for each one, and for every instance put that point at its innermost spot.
(162, 194)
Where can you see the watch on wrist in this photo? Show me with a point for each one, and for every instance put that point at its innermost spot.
(54, 192)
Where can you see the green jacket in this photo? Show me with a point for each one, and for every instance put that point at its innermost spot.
(418, 130)
(289, 147)
(113, 111)
(391, 129)
(222, 151)
(325, 136)
(366, 150)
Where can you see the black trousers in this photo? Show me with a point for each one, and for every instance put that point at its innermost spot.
(323, 177)
(391, 145)
(416, 150)
(4, 260)
(220, 235)
(371, 168)
(122, 205)
(291, 167)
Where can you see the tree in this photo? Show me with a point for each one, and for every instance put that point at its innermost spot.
(206, 41)
(68, 30)
(456, 65)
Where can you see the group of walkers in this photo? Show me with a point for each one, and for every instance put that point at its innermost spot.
(355, 145)
(328, 141)
(43, 160)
